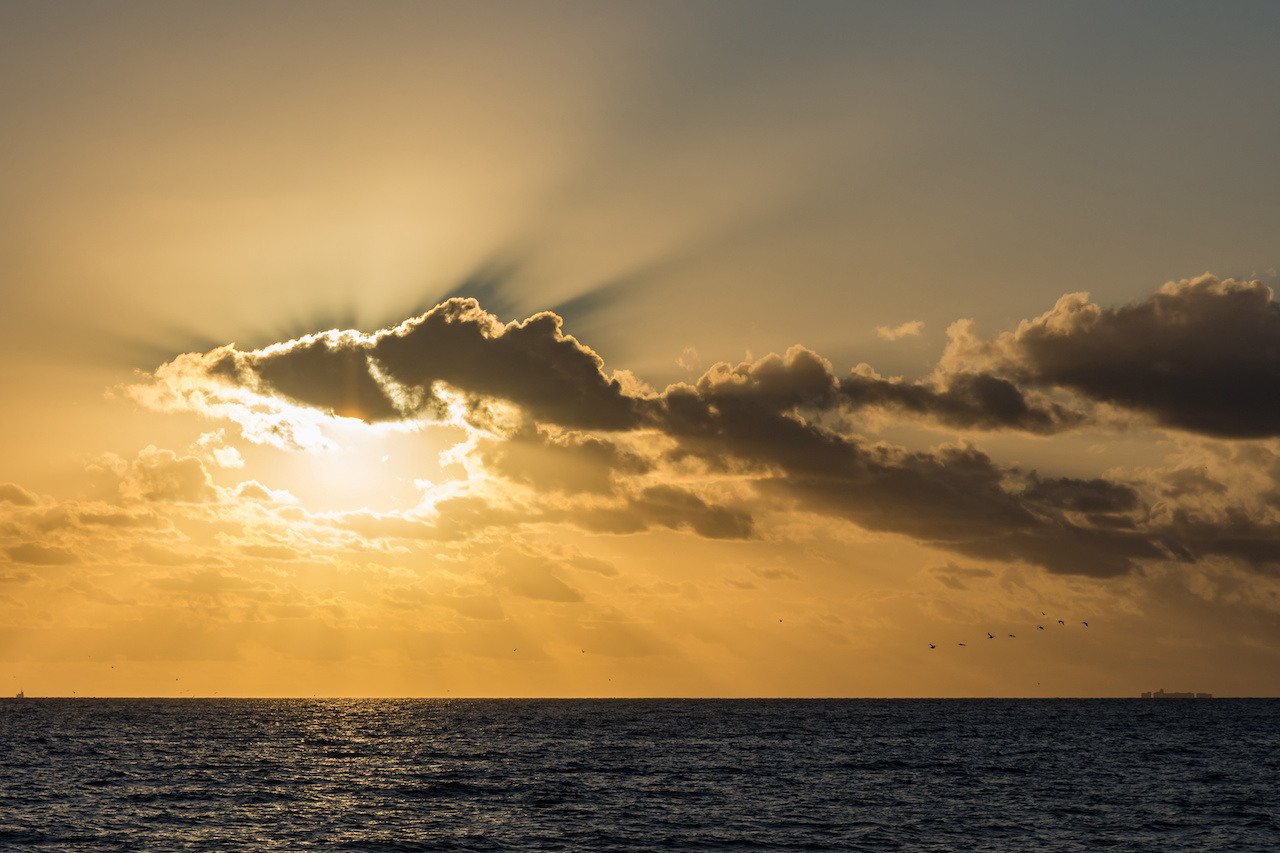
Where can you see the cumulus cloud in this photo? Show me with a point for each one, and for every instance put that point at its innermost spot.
(161, 476)
(198, 383)
(893, 333)
(749, 420)
(397, 373)
(212, 447)
(600, 452)
(967, 401)
(1201, 355)
(252, 490)
(12, 493)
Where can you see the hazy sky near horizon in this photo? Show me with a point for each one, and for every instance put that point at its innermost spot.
(586, 349)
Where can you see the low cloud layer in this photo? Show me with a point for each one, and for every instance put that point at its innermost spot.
(716, 456)
(1201, 355)
(394, 373)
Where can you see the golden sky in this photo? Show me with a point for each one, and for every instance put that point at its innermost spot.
(639, 349)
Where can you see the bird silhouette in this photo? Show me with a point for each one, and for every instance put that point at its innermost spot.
(1086, 624)
(989, 636)
(1039, 627)
(959, 644)
(1060, 622)
(932, 646)
(1011, 635)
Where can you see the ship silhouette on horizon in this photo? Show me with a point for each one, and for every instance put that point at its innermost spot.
(1160, 694)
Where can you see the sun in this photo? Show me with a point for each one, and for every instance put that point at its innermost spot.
(374, 467)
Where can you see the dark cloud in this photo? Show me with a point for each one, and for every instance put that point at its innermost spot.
(1094, 496)
(1235, 535)
(803, 381)
(670, 506)
(749, 419)
(1184, 482)
(1200, 355)
(956, 499)
(969, 401)
(391, 374)
(329, 371)
(533, 364)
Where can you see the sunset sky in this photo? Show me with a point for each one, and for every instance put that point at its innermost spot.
(639, 349)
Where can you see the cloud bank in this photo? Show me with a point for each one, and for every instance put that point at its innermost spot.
(716, 456)
(1201, 355)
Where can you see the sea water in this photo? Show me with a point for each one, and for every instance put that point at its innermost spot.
(1044, 775)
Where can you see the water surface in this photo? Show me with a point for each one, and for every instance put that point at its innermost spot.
(1050, 775)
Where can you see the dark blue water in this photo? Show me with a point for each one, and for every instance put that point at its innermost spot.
(1045, 775)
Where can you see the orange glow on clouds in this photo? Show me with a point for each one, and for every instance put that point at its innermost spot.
(638, 350)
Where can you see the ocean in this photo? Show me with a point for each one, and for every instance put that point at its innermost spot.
(670, 775)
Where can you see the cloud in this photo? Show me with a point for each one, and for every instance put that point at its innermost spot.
(1237, 536)
(397, 373)
(200, 384)
(911, 329)
(252, 490)
(1201, 355)
(749, 420)
(593, 564)
(677, 508)
(967, 401)
(213, 447)
(572, 463)
(689, 359)
(161, 476)
(35, 554)
(780, 432)
(955, 577)
(12, 493)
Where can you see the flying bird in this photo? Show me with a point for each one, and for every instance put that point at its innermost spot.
(932, 646)
(959, 644)
(1086, 624)
(1060, 622)
(989, 636)
(1011, 635)
(1039, 627)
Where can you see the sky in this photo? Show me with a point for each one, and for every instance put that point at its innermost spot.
(639, 349)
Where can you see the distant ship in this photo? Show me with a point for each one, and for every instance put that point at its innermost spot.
(1160, 694)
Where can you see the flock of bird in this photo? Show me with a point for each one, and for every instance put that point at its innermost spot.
(991, 636)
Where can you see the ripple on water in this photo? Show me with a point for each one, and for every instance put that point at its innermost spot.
(638, 775)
